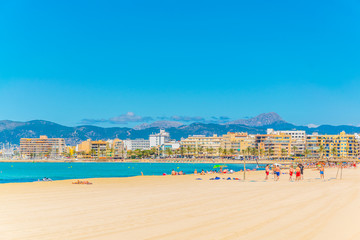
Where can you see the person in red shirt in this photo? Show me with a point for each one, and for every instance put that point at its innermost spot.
(291, 172)
(298, 174)
(267, 171)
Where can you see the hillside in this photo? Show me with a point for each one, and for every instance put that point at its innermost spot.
(12, 131)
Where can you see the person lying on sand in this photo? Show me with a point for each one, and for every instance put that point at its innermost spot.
(81, 182)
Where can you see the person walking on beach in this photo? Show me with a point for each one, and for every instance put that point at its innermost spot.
(301, 171)
(291, 172)
(274, 171)
(267, 171)
(322, 172)
(277, 172)
(298, 173)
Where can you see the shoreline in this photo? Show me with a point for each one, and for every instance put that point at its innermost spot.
(168, 176)
(238, 174)
(137, 176)
(215, 161)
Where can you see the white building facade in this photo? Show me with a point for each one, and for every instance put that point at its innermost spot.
(159, 139)
(141, 144)
(170, 145)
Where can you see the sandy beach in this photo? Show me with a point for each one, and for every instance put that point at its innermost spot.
(180, 207)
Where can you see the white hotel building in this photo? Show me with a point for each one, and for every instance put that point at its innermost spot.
(159, 139)
(141, 144)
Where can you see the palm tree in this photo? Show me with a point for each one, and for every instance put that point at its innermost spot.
(129, 153)
(294, 149)
(48, 153)
(195, 150)
(347, 151)
(248, 151)
(169, 152)
(112, 152)
(334, 152)
(177, 152)
(253, 151)
(232, 151)
(188, 150)
(182, 151)
(161, 152)
(243, 151)
(270, 152)
(200, 150)
(283, 152)
(209, 150)
(220, 150)
(321, 150)
(92, 152)
(225, 151)
(262, 151)
(102, 151)
(307, 152)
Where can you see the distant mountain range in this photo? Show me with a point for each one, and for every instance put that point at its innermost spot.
(260, 120)
(11, 131)
(158, 124)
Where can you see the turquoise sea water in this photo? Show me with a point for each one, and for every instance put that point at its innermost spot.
(29, 172)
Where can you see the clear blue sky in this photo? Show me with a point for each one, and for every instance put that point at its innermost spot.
(66, 61)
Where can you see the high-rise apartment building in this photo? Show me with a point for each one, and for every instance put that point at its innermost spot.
(341, 145)
(298, 140)
(202, 145)
(274, 145)
(237, 142)
(42, 147)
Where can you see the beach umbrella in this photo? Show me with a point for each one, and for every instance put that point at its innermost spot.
(219, 166)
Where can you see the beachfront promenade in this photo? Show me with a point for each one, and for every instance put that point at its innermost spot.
(190, 160)
(181, 207)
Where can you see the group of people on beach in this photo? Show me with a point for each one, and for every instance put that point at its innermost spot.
(82, 182)
(299, 172)
(173, 172)
(294, 171)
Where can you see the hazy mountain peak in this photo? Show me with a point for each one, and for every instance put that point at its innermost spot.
(158, 124)
(311, 125)
(7, 124)
(260, 120)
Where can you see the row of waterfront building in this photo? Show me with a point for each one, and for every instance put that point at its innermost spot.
(273, 144)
